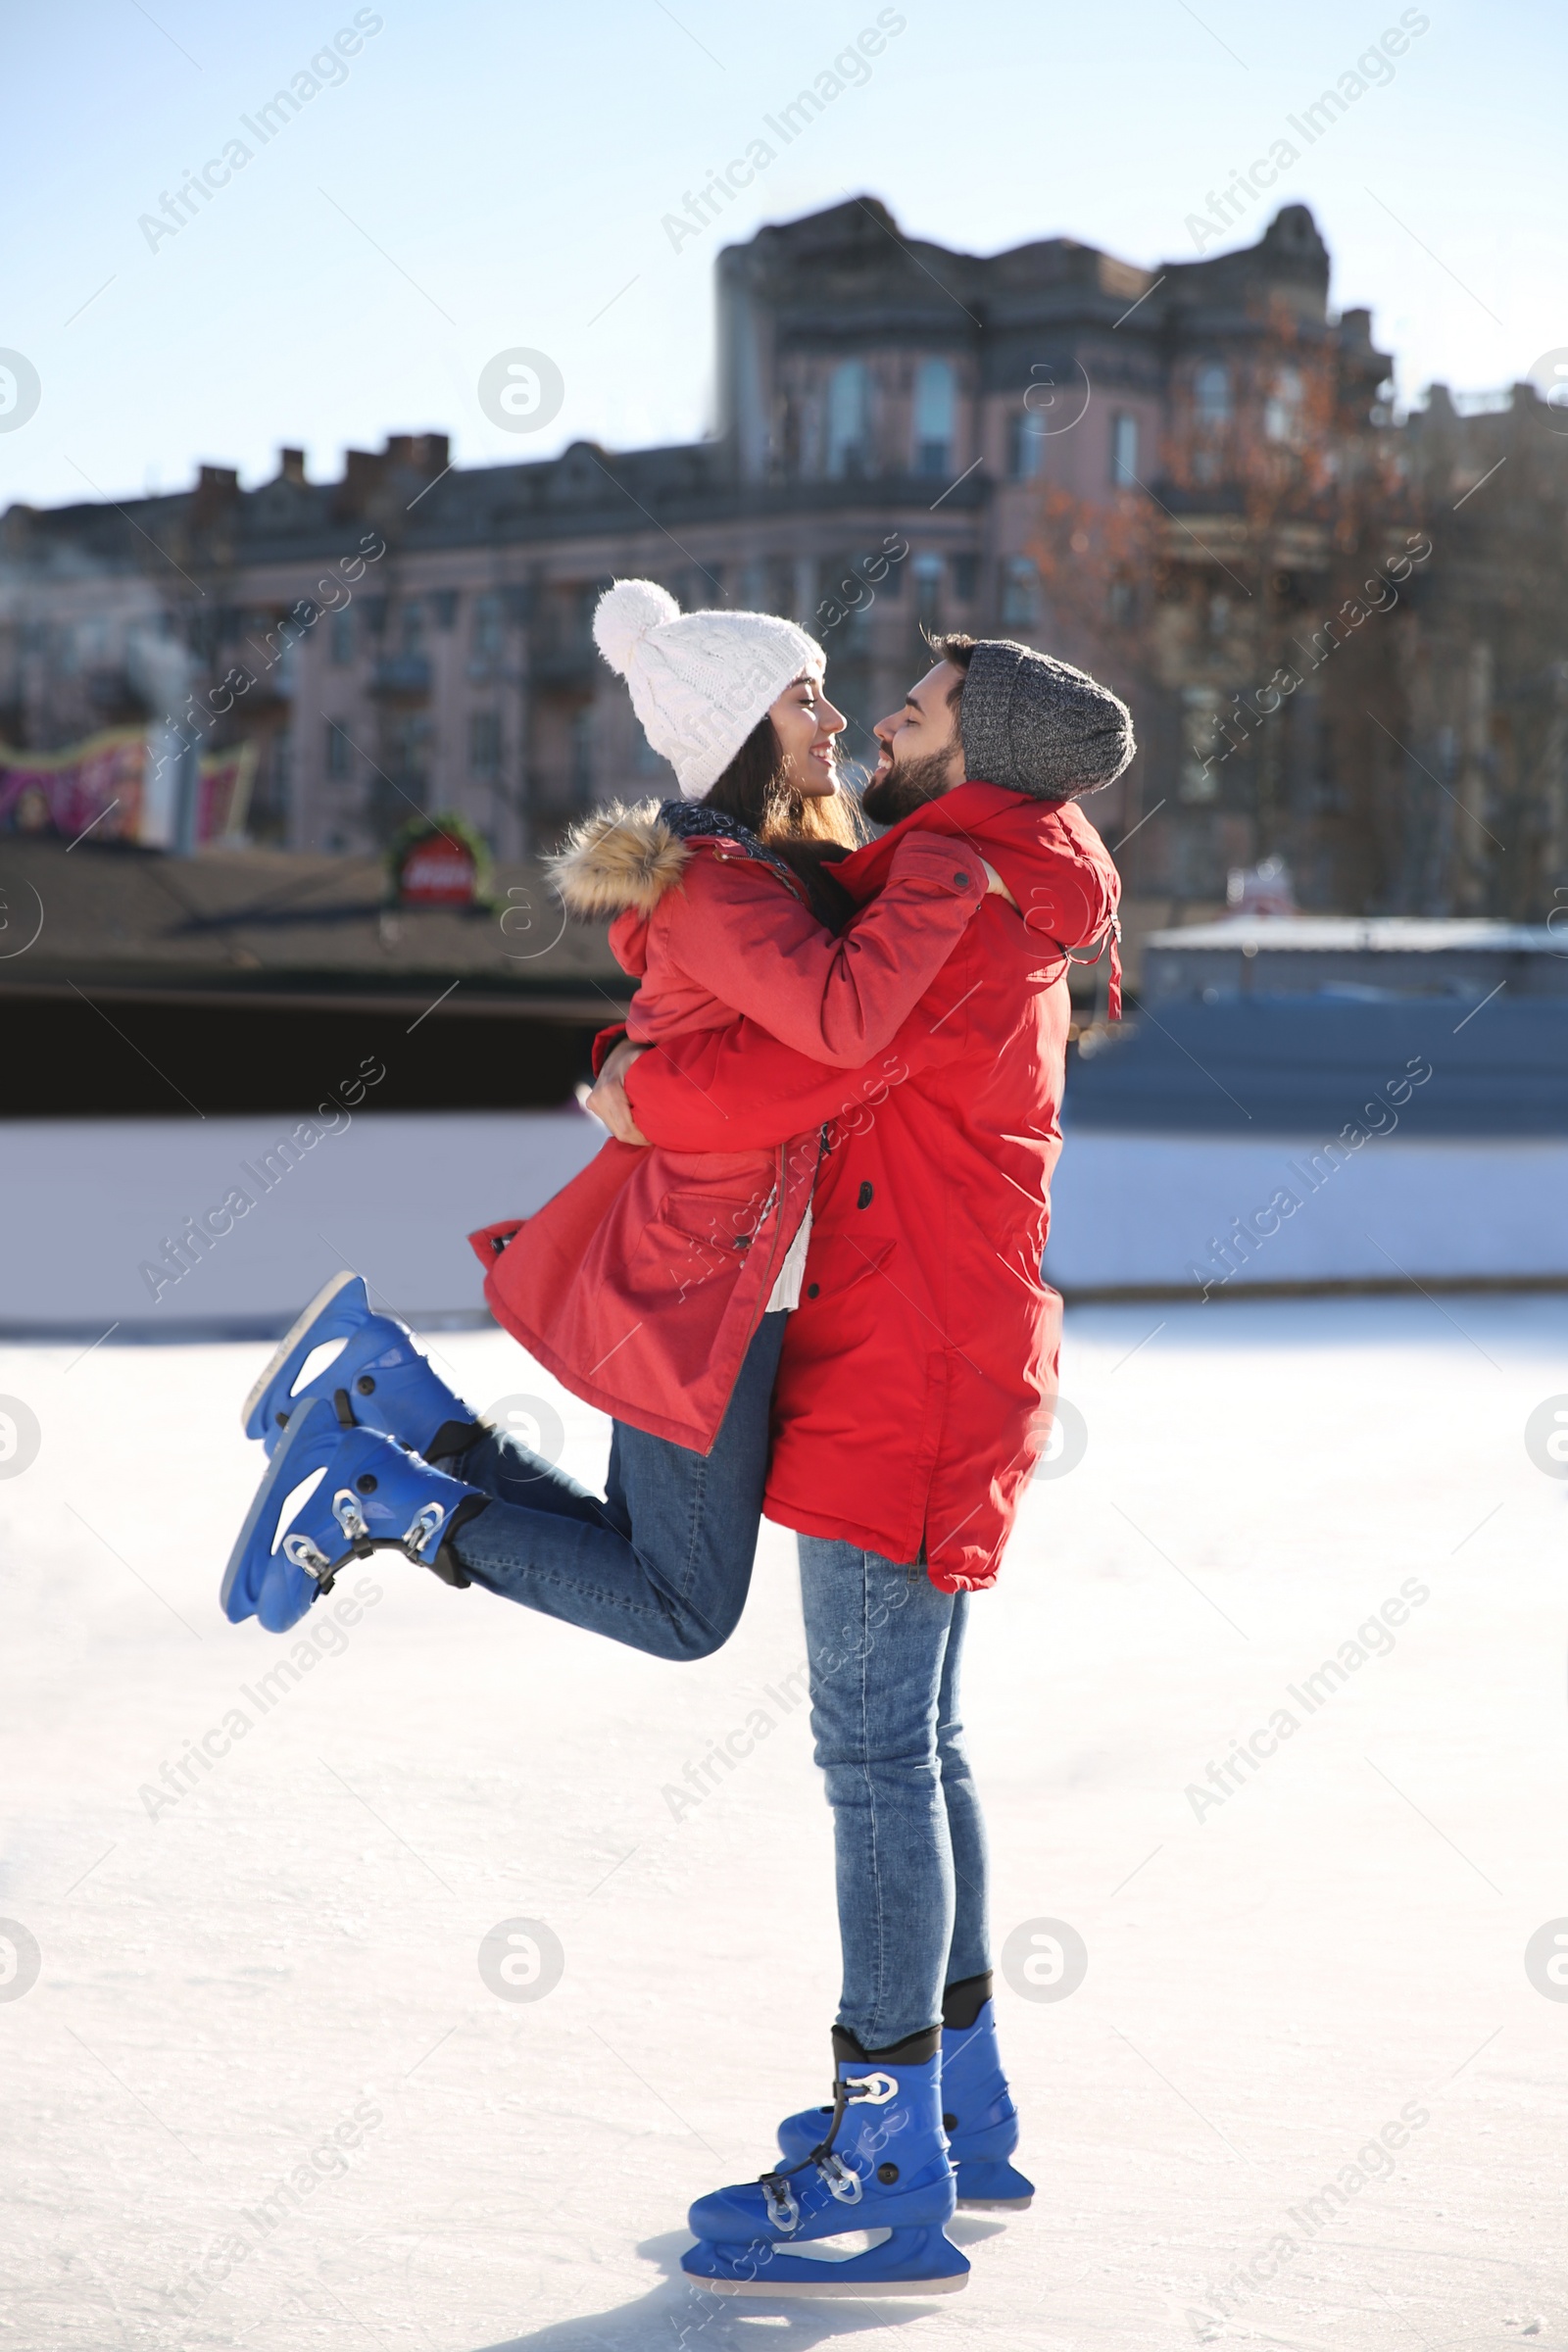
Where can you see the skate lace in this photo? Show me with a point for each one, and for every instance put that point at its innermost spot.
(304, 1554)
(841, 2180)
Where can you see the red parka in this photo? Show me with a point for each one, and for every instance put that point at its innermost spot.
(915, 1391)
(641, 1284)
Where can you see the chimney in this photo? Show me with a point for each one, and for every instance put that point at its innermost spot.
(420, 453)
(217, 489)
(363, 471)
(291, 467)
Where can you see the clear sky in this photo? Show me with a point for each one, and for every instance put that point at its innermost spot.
(477, 177)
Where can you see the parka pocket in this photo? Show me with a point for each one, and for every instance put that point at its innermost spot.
(838, 1264)
(696, 1238)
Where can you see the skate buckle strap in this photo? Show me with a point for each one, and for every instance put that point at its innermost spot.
(841, 2181)
(348, 1514)
(782, 2211)
(301, 1554)
(421, 1528)
(873, 2090)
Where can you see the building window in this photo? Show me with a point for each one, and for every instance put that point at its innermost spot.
(1201, 744)
(409, 745)
(1211, 394)
(338, 748)
(484, 745)
(1282, 410)
(935, 407)
(1124, 452)
(849, 418)
(342, 640)
(1021, 591)
(582, 754)
(1026, 446)
(780, 590)
(487, 628)
(964, 569)
(928, 571)
(413, 624)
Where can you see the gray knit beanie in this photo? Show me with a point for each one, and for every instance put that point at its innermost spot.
(1038, 725)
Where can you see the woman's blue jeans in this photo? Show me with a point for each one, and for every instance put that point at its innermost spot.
(662, 1562)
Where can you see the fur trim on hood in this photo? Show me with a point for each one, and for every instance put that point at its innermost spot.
(615, 860)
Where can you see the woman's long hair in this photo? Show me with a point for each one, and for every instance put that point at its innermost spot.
(810, 831)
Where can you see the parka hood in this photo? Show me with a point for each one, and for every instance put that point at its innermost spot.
(617, 862)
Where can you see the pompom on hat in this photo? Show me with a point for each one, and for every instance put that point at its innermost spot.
(698, 681)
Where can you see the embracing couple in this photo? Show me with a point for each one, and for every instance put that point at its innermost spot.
(803, 1278)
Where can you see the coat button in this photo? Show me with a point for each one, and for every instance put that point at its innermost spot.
(813, 1289)
(863, 1197)
(961, 879)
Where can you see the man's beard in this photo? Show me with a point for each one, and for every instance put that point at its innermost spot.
(908, 786)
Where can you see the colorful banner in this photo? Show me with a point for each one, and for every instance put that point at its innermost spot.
(101, 783)
(112, 787)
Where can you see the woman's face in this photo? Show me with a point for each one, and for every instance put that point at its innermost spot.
(807, 727)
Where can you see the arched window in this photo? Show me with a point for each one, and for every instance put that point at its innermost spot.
(936, 401)
(849, 418)
(1211, 394)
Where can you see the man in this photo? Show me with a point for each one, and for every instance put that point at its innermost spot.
(911, 1402)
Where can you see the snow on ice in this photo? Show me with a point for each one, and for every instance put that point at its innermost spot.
(400, 1981)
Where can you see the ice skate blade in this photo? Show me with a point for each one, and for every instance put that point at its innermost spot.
(862, 2290)
(994, 2204)
(926, 2263)
(291, 1340)
(300, 1452)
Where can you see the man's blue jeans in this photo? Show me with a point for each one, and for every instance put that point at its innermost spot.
(663, 1561)
(884, 1648)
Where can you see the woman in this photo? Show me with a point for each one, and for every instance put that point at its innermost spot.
(656, 1285)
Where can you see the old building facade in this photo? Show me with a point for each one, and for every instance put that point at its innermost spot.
(1174, 476)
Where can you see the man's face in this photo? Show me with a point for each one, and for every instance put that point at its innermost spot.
(922, 757)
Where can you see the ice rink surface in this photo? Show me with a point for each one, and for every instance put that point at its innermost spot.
(261, 2095)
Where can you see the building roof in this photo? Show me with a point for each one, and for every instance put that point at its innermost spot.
(293, 928)
(1348, 934)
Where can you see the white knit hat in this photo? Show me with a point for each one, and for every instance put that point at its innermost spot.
(700, 681)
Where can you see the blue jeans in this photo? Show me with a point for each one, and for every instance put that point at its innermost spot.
(883, 1646)
(662, 1562)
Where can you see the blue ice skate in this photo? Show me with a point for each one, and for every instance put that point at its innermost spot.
(978, 2116)
(374, 1496)
(880, 2163)
(380, 1374)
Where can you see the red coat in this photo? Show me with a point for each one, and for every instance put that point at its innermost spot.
(641, 1284)
(913, 1395)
